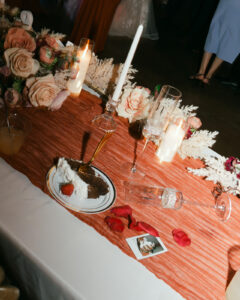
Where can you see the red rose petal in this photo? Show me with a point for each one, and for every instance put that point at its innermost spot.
(114, 224)
(185, 241)
(122, 211)
(148, 228)
(181, 238)
(131, 222)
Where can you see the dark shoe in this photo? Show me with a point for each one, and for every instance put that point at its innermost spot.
(196, 80)
(196, 76)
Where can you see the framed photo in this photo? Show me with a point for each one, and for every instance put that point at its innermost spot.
(146, 245)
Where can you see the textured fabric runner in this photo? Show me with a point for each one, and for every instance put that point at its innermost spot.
(198, 271)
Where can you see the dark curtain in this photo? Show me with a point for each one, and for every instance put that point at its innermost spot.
(93, 21)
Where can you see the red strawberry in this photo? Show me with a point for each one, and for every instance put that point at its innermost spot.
(67, 189)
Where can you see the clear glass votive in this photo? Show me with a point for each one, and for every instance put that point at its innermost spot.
(172, 140)
(160, 113)
(79, 67)
(13, 133)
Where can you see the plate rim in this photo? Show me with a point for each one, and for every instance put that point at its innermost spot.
(54, 167)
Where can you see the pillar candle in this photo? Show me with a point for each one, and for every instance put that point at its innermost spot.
(75, 85)
(127, 64)
(171, 142)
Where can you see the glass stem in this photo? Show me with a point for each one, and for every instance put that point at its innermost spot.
(104, 139)
(134, 167)
(199, 204)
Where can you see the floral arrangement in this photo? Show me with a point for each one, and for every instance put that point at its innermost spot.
(135, 104)
(103, 74)
(221, 170)
(34, 67)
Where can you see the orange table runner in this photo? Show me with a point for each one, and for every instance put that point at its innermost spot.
(196, 272)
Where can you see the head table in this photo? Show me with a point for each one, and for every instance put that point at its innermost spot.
(53, 247)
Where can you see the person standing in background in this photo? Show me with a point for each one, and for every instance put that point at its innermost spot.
(223, 40)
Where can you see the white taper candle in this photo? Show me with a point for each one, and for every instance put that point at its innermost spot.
(127, 64)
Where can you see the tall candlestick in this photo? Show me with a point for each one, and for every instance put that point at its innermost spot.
(171, 141)
(127, 64)
(80, 69)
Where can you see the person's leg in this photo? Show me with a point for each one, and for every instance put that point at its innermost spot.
(215, 65)
(202, 69)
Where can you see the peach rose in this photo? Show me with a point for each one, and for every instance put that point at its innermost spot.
(20, 62)
(51, 42)
(42, 90)
(194, 122)
(46, 55)
(134, 104)
(19, 38)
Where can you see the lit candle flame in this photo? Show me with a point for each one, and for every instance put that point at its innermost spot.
(85, 50)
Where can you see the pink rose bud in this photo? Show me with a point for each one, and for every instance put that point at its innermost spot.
(46, 55)
(51, 42)
(194, 122)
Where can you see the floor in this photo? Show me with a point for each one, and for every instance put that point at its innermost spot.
(170, 61)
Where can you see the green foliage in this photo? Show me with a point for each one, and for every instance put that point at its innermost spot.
(51, 66)
(18, 85)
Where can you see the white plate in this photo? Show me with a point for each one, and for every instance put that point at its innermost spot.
(88, 206)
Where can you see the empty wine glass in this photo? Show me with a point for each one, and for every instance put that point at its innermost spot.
(159, 117)
(173, 199)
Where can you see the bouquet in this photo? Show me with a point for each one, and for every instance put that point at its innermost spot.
(34, 67)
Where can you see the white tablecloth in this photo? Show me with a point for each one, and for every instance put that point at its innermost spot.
(56, 256)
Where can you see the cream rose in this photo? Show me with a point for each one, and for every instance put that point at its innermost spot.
(135, 104)
(42, 90)
(20, 62)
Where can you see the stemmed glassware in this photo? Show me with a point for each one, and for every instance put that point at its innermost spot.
(106, 121)
(173, 199)
(159, 117)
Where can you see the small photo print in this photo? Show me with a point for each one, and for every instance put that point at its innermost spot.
(146, 245)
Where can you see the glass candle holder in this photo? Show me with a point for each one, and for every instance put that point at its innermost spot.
(80, 66)
(160, 113)
(172, 140)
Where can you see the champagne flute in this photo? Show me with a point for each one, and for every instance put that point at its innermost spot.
(173, 199)
(159, 117)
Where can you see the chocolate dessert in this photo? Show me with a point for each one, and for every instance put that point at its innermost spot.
(96, 185)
